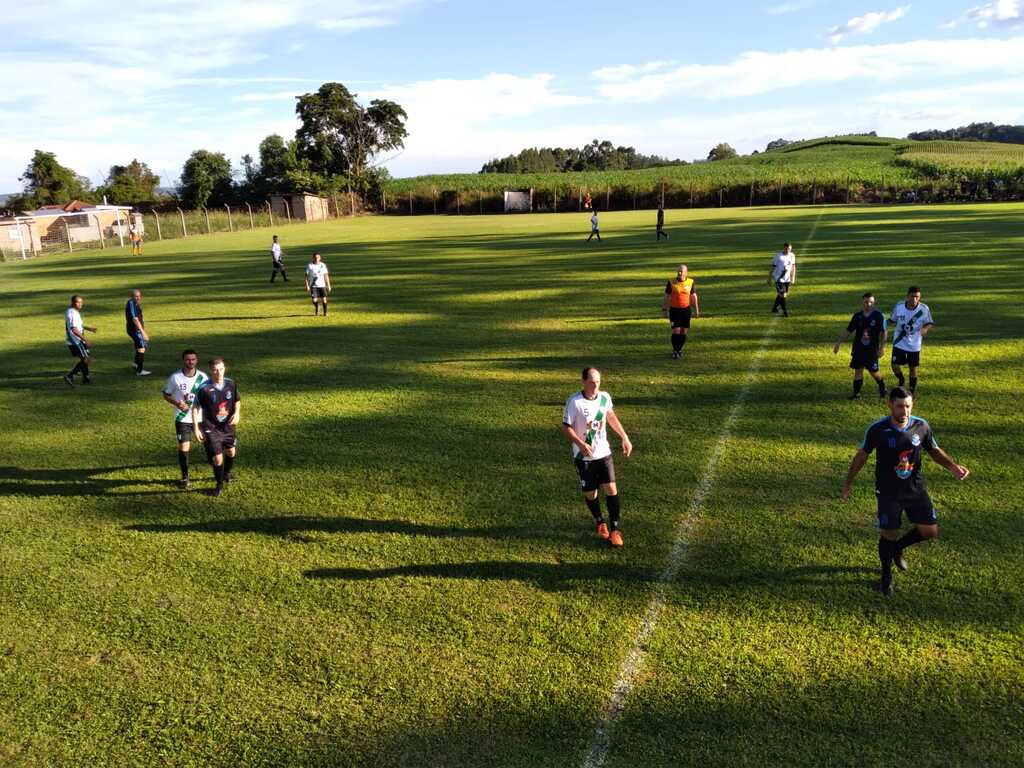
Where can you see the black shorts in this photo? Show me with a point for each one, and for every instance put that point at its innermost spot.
(278, 265)
(183, 431)
(781, 287)
(595, 473)
(318, 293)
(79, 350)
(679, 317)
(918, 507)
(902, 357)
(865, 357)
(218, 440)
(137, 340)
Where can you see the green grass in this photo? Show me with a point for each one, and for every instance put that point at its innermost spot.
(403, 573)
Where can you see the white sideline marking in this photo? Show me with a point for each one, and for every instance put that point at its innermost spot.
(634, 661)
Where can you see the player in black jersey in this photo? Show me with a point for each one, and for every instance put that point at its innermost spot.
(135, 327)
(216, 411)
(899, 440)
(869, 336)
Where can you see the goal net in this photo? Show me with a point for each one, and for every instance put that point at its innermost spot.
(517, 201)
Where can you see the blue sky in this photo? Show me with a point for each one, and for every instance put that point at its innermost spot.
(157, 80)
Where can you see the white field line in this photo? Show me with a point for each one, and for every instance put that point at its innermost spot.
(634, 661)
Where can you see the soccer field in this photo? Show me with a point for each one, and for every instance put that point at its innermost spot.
(403, 572)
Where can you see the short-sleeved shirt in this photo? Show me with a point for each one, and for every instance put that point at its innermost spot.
(782, 267)
(593, 222)
(73, 322)
(218, 404)
(679, 292)
(898, 457)
(867, 330)
(132, 310)
(275, 252)
(316, 274)
(184, 388)
(907, 325)
(589, 420)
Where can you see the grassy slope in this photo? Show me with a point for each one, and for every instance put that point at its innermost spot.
(403, 574)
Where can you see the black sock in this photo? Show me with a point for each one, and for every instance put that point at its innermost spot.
(676, 344)
(682, 341)
(183, 463)
(139, 357)
(594, 505)
(85, 370)
(316, 309)
(909, 539)
(885, 552)
(782, 303)
(775, 306)
(78, 367)
(325, 309)
(857, 384)
(218, 473)
(229, 462)
(273, 275)
(913, 383)
(881, 386)
(899, 379)
(612, 502)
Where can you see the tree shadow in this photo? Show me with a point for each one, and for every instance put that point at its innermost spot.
(75, 482)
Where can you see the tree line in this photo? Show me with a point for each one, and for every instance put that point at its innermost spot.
(1005, 134)
(332, 150)
(595, 156)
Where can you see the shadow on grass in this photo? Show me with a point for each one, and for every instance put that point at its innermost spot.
(75, 482)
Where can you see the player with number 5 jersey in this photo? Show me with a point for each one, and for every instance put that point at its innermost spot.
(180, 391)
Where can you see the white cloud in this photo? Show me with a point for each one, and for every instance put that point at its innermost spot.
(626, 71)
(792, 7)
(274, 96)
(1001, 13)
(353, 23)
(756, 72)
(952, 94)
(869, 22)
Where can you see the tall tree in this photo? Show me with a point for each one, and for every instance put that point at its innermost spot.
(721, 152)
(47, 182)
(206, 179)
(338, 135)
(132, 183)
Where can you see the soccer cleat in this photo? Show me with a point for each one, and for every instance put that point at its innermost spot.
(68, 380)
(184, 484)
(143, 373)
(854, 396)
(898, 560)
(883, 394)
(217, 490)
(616, 539)
(87, 379)
(602, 530)
(227, 477)
(886, 587)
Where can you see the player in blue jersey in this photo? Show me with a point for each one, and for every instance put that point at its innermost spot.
(869, 334)
(899, 440)
(135, 327)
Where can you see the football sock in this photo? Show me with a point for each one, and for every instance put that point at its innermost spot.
(885, 552)
(682, 341)
(857, 384)
(594, 505)
(273, 275)
(218, 473)
(183, 463)
(229, 462)
(78, 368)
(782, 304)
(316, 309)
(881, 386)
(913, 383)
(909, 539)
(899, 379)
(775, 306)
(139, 356)
(325, 309)
(85, 370)
(676, 344)
(612, 502)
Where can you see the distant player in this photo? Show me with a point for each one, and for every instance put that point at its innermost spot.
(78, 345)
(136, 238)
(899, 487)
(277, 261)
(911, 321)
(660, 230)
(215, 415)
(180, 391)
(587, 415)
(783, 273)
(869, 335)
(318, 283)
(680, 299)
(135, 327)
(595, 228)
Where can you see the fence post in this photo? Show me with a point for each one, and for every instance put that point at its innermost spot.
(883, 190)
(159, 234)
(120, 232)
(751, 195)
(433, 192)
(847, 191)
(184, 229)
(608, 198)
(554, 200)
(287, 209)
(337, 210)
(579, 198)
(719, 197)
(67, 231)
(410, 202)
(384, 201)
(99, 227)
(270, 213)
(252, 224)
(691, 195)
(351, 201)
(780, 191)
(231, 227)
(662, 194)
(206, 214)
(458, 203)
(481, 194)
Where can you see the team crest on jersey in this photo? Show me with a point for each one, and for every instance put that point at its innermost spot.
(915, 440)
(904, 466)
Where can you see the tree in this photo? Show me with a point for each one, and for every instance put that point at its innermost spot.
(721, 152)
(777, 144)
(47, 182)
(132, 183)
(338, 136)
(206, 179)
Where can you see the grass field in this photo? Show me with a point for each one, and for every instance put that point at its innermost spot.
(403, 573)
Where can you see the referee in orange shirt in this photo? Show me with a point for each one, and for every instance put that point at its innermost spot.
(680, 296)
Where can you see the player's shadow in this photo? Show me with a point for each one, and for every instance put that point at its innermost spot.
(75, 482)
(238, 318)
(296, 528)
(552, 577)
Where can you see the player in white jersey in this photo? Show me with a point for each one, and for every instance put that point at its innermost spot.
(783, 273)
(276, 261)
(585, 422)
(318, 283)
(911, 321)
(595, 227)
(78, 345)
(180, 391)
